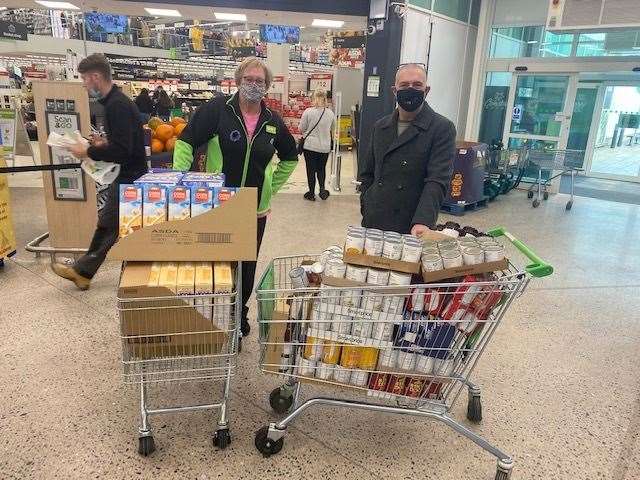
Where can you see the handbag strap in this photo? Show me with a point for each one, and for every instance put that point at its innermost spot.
(317, 123)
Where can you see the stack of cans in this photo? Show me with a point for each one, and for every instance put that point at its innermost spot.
(467, 250)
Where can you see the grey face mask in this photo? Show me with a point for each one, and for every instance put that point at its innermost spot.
(252, 92)
(94, 93)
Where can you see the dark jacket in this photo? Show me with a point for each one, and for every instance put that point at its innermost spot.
(125, 137)
(245, 162)
(405, 179)
(144, 103)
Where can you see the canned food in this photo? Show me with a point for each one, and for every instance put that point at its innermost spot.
(388, 358)
(424, 364)
(372, 301)
(486, 240)
(383, 331)
(329, 295)
(351, 298)
(493, 253)
(434, 301)
(368, 358)
(359, 378)
(331, 352)
(397, 384)
(343, 325)
(356, 273)
(393, 304)
(313, 348)
(286, 358)
(392, 248)
(411, 252)
(407, 360)
(373, 245)
(472, 255)
(432, 262)
(324, 371)
(335, 268)
(468, 242)
(415, 385)
(468, 323)
(444, 367)
(377, 276)
(350, 356)
(430, 250)
(417, 299)
(354, 243)
(341, 374)
(299, 278)
(320, 319)
(447, 247)
(306, 367)
(398, 278)
(374, 232)
(452, 259)
(378, 381)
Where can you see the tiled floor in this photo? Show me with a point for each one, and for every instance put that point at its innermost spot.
(560, 377)
(622, 160)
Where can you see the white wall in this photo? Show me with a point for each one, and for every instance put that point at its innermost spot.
(521, 12)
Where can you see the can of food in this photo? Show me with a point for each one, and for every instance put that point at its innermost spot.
(399, 278)
(452, 259)
(411, 251)
(448, 246)
(424, 364)
(342, 374)
(362, 329)
(324, 371)
(373, 245)
(468, 242)
(382, 331)
(417, 299)
(351, 298)
(434, 301)
(393, 304)
(313, 348)
(431, 250)
(359, 378)
(377, 276)
(493, 253)
(472, 255)
(468, 323)
(397, 384)
(388, 358)
(331, 352)
(354, 243)
(335, 268)
(356, 273)
(484, 240)
(432, 262)
(407, 360)
(320, 318)
(374, 232)
(415, 385)
(350, 356)
(299, 278)
(286, 358)
(368, 358)
(314, 274)
(329, 295)
(371, 301)
(392, 248)
(306, 367)
(342, 324)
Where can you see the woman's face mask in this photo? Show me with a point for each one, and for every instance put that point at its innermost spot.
(252, 92)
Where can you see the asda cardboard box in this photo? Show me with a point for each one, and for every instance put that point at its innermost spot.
(156, 327)
(226, 233)
(381, 262)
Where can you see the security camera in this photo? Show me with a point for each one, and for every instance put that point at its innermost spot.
(371, 29)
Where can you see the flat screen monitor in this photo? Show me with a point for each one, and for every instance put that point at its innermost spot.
(105, 23)
(279, 34)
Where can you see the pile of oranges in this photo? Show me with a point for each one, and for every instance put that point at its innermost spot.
(165, 134)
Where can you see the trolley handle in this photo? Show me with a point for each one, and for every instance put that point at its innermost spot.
(539, 268)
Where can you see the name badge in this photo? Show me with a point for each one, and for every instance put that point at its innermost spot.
(271, 129)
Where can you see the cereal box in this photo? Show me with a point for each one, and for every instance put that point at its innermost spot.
(201, 200)
(130, 209)
(203, 179)
(222, 194)
(154, 204)
(169, 276)
(179, 202)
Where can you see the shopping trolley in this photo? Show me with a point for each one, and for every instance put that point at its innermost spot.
(561, 160)
(405, 348)
(504, 170)
(185, 338)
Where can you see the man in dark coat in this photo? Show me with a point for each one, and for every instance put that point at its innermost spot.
(407, 168)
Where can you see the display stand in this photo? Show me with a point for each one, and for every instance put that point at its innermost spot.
(70, 196)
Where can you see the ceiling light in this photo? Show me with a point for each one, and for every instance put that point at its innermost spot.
(239, 17)
(163, 12)
(57, 5)
(321, 22)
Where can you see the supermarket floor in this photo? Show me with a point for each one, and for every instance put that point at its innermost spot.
(560, 385)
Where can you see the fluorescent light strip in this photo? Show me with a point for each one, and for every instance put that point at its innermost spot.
(57, 5)
(322, 22)
(163, 12)
(238, 17)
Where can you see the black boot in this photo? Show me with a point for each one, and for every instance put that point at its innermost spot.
(324, 194)
(310, 196)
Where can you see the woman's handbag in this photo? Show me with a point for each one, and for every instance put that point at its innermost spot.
(303, 138)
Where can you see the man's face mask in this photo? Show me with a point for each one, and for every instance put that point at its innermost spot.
(410, 99)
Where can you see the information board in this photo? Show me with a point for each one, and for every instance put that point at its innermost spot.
(67, 184)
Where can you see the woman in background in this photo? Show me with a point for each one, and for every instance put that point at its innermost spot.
(145, 104)
(163, 105)
(317, 126)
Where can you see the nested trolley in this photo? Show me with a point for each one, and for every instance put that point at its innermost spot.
(406, 350)
(184, 338)
(562, 161)
(504, 170)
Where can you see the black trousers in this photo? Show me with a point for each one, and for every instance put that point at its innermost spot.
(249, 270)
(316, 163)
(104, 237)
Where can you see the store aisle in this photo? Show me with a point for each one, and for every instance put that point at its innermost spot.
(560, 385)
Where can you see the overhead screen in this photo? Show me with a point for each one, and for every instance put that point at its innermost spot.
(279, 34)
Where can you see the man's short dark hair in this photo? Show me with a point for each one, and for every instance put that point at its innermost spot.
(96, 62)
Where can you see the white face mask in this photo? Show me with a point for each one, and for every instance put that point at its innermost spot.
(252, 92)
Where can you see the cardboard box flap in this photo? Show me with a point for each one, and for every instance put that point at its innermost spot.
(225, 233)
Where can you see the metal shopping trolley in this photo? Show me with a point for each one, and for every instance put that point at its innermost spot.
(504, 170)
(548, 160)
(407, 350)
(185, 338)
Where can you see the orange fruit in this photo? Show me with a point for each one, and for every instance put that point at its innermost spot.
(164, 132)
(157, 146)
(154, 122)
(179, 128)
(175, 121)
(170, 144)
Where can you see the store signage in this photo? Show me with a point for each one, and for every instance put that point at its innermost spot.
(7, 132)
(277, 85)
(67, 184)
(320, 81)
(13, 30)
(358, 41)
(516, 115)
(7, 233)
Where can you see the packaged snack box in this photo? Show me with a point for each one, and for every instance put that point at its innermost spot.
(201, 200)
(222, 194)
(154, 204)
(179, 198)
(162, 178)
(130, 209)
(203, 179)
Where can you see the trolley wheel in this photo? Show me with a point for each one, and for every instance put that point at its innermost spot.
(239, 344)
(146, 445)
(222, 438)
(536, 203)
(474, 409)
(279, 402)
(265, 445)
(529, 194)
(545, 195)
(501, 475)
(569, 205)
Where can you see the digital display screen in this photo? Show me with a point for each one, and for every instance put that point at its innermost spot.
(279, 34)
(97, 23)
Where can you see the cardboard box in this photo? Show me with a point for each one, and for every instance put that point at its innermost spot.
(276, 328)
(160, 178)
(151, 330)
(179, 199)
(227, 233)
(130, 209)
(154, 204)
(222, 194)
(168, 278)
(204, 285)
(154, 274)
(447, 273)
(381, 262)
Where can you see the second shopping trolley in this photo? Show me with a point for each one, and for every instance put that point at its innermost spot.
(563, 161)
(406, 350)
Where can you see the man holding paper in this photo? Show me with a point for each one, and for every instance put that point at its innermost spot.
(124, 145)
